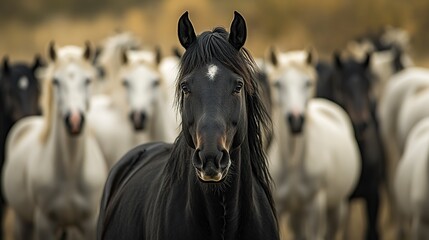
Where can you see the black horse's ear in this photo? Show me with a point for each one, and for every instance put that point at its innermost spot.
(367, 61)
(6, 66)
(38, 62)
(87, 51)
(176, 52)
(337, 60)
(186, 31)
(124, 57)
(158, 55)
(272, 56)
(52, 51)
(238, 31)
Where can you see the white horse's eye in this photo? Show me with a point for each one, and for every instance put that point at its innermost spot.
(156, 83)
(87, 81)
(308, 84)
(277, 84)
(125, 83)
(55, 82)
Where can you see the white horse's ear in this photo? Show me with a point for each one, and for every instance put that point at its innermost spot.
(272, 56)
(158, 55)
(87, 51)
(311, 57)
(238, 31)
(52, 51)
(176, 52)
(124, 57)
(186, 31)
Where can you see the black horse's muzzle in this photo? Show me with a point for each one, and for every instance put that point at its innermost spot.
(296, 122)
(211, 166)
(74, 122)
(138, 119)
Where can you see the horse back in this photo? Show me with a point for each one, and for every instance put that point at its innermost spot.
(146, 160)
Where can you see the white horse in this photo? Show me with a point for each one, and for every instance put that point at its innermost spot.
(401, 107)
(135, 112)
(169, 68)
(411, 184)
(108, 61)
(54, 171)
(316, 162)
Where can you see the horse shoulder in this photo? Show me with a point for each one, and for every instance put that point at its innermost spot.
(24, 144)
(120, 175)
(95, 168)
(414, 108)
(411, 176)
(327, 111)
(334, 145)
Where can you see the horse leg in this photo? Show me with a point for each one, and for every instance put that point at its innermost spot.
(23, 230)
(317, 217)
(372, 208)
(2, 215)
(88, 228)
(404, 228)
(336, 217)
(297, 224)
(45, 229)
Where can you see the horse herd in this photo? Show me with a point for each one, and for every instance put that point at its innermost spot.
(285, 137)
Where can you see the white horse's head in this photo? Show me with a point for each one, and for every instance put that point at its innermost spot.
(67, 85)
(142, 82)
(293, 77)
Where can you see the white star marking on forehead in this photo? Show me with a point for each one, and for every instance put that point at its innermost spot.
(23, 83)
(211, 73)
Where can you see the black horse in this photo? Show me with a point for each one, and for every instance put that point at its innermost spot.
(348, 83)
(213, 182)
(19, 94)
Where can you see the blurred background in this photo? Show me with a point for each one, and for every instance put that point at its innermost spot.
(26, 26)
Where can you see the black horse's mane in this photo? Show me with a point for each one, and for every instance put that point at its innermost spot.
(214, 45)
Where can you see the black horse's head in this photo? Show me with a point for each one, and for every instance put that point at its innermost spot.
(213, 91)
(20, 88)
(353, 83)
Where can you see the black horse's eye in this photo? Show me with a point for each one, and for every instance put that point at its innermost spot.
(185, 88)
(125, 83)
(56, 82)
(238, 88)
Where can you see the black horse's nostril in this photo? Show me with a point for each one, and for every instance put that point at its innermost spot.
(196, 160)
(224, 160)
(296, 122)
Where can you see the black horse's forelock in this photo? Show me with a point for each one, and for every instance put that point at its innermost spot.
(210, 46)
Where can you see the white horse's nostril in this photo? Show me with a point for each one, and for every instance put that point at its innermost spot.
(75, 121)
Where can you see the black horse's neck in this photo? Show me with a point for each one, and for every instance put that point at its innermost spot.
(218, 205)
(219, 208)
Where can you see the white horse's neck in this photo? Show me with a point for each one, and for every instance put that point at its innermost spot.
(68, 151)
(292, 146)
